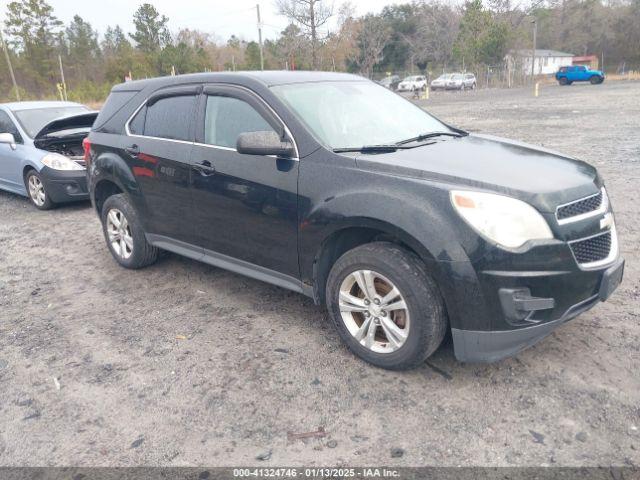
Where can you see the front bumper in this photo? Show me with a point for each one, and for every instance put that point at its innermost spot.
(504, 301)
(65, 185)
(490, 346)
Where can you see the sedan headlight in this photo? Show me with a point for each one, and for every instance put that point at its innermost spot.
(60, 162)
(503, 220)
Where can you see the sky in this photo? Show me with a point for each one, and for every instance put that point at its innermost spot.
(222, 18)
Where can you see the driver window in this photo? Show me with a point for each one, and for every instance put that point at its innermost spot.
(227, 117)
(7, 126)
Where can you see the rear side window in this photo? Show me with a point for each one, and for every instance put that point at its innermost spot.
(115, 101)
(227, 117)
(168, 118)
(136, 125)
(7, 126)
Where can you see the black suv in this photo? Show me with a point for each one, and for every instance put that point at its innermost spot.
(332, 186)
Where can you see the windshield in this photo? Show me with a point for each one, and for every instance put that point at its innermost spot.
(446, 76)
(457, 77)
(353, 114)
(32, 120)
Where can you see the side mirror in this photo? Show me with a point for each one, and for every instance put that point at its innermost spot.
(264, 143)
(9, 139)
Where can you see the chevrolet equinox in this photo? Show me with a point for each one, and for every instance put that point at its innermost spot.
(335, 187)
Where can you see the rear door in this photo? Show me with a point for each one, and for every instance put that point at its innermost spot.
(245, 206)
(10, 159)
(158, 148)
(582, 73)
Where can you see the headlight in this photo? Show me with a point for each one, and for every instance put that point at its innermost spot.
(60, 162)
(503, 220)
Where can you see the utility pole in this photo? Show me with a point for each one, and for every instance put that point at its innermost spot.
(533, 52)
(260, 37)
(6, 56)
(64, 85)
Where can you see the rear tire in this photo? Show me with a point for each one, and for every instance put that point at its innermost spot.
(563, 81)
(417, 326)
(124, 235)
(37, 192)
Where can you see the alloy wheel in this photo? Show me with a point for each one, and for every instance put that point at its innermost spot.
(119, 233)
(36, 190)
(374, 311)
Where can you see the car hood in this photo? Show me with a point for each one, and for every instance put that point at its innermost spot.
(82, 120)
(536, 175)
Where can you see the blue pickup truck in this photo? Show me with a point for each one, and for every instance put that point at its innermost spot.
(579, 73)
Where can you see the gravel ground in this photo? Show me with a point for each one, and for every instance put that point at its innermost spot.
(186, 364)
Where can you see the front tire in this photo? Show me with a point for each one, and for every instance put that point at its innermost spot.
(563, 81)
(37, 192)
(124, 234)
(385, 306)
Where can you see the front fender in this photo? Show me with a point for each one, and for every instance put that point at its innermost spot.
(422, 226)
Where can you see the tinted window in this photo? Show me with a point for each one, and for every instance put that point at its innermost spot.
(226, 118)
(136, 125)
(7, 126)
(170, 118)
(115, 101)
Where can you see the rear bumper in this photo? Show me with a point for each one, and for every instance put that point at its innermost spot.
(574, 294)
(65, 185)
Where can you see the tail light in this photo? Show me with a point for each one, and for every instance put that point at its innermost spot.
(86, 146)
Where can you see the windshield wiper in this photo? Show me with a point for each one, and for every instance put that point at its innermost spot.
(425, 136)
(369, 149)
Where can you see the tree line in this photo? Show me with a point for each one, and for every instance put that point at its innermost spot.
(426, 36)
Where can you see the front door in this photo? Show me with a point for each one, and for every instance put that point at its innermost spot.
(10, 164)
(245, 206)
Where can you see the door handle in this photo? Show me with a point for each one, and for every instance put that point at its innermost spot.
(204, 168)
(132, 150)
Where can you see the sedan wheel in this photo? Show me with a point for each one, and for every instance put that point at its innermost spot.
(374, 311)
(119, 233)
(36, 191)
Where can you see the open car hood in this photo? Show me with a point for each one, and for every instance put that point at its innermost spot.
(82, 120)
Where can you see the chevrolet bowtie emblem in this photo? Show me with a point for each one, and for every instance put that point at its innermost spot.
(606, 221)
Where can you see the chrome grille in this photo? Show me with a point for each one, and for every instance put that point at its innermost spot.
(580, 207)
(592, 249)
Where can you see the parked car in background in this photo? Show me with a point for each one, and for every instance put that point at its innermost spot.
(412, 83)
(440, 83)
(468, 81)
(454, 81)
(41, 153)
(332, 186)
(391, 82)
(579, 73)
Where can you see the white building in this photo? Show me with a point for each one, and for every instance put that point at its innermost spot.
(546, 61)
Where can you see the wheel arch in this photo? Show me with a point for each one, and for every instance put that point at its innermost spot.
(103, 189)
(359, 231)
(26, 168)
(109, 175)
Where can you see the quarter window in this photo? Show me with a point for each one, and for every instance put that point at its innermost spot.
(7, 126)
(166, 118)
(227, 117)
